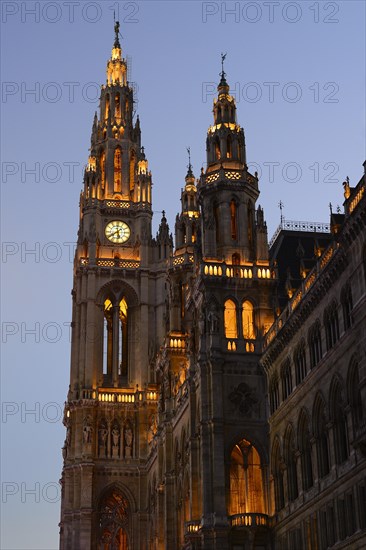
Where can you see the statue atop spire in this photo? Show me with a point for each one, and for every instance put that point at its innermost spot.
(189, 173)
(223, 74)
(116, 30)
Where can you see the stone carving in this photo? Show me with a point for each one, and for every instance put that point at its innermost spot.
(244, 399)
(87, 431)
(152, 429)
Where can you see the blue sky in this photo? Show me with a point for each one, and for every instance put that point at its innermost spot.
(298, 72)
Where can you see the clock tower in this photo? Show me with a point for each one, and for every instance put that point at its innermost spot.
(117, 322)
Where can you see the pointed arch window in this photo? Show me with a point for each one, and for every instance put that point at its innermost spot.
(132, 169)
(347, 306)
(305, 452)
(233, 220)
(102, 169)
(315, 344)
(113, 522)
(231, 327)
(331, 325)
(339, 419)
(277, 471)
(108, 338)
(117, 103)
(248, 320)
(286, 378)
(118, 170)
(354, 392)
(300, 362)
(107, 107)
(123, 338)
(246, 480)
(217, 149)
(321, 435)
(229, 147)
(274, 394)
(115, 340)
(290, 459)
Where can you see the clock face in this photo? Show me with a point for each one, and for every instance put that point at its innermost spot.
(117, 232)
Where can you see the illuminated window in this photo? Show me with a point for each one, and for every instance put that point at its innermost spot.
(106, 112)
(132, 169)
(113, 522)
(217, 148)
(229, 148)
(118, 170)
(231, 329)
(246, 482)
(248, 320)
(233, 218)
(123, 347)
(102, 169)
(117, 103)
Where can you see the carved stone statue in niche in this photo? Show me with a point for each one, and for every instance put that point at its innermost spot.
(102, 436)
(152, 429)
(87, 431)
(213, 321)
(128, 440)
(115, 441)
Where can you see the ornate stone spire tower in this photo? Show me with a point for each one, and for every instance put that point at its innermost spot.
(118, 307)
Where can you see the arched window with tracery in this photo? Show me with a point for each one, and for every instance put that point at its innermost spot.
(354, 394)
(305, 451)
(347, 306)
(300, 362)
(339, 419)
(321, 436)
(246, 480)
(118, 170)
(114, 522)
(277, 472)
(290, 455)
(230, 321)
(315, 344)
(108, 338)
(115, 339)
(331, 325)
(274, 394)
(248, 320)
(286, 379)
(107, 107)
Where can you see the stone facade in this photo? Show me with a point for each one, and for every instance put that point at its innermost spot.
(172, 438)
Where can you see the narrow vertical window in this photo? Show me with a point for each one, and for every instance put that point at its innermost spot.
(233, 218)
(229, 148)
(117, 103)
(102, 170)
(108, 337)
(106, 112)
(217, 149)
(132, 169)
(248, 320)
(123, 338)
(231, 329)
(118, 170)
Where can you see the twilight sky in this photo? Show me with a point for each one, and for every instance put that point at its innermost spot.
(297, 70)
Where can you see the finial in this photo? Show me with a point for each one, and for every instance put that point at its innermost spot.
(330, 208)
(281, 205)
(338, 209)
(347, 189)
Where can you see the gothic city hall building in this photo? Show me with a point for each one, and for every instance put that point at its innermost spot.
(217, 396)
